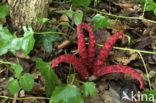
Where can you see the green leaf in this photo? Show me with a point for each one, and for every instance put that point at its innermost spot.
(43, 20)
(89, 88)
(51, 79)
(151, 6)
(18, 69)
(78, 18)
(84, 3)
(48, 39)
(5, 40)
(4, 10)
(11, 43)
(27, 82)
(13, 86)
(67, 93)
(69, 12)
(77, 15)
(28, 40)
(140, 1)
(100, 21)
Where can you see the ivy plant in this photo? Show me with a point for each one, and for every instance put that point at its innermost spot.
(51, 79)
(26, 81)
(9, 42)
(100, 21)
(4, 10)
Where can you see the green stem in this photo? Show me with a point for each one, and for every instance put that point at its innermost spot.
(51, 33)
(144, 8)
(6, 97)
(80, 81)
(4, 62)
(129, 49)
(145, 70)
(73, 77)
(124, 17)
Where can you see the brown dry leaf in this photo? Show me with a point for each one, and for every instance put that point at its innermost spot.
(153, 84)
(64, 44)
(64, 17)
(20, 54)
(22, 93)
(3, 21)
(117, 26)
(152, 73)
(88, 19)
(36, 74)
(122, 58)
(106, 97)
(97, 99)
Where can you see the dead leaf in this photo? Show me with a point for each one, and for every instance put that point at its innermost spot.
(124, 57)
(64, 18)
(64, 44)
(20, 54)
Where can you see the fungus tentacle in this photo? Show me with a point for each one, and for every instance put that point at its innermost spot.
(74, 60)
(119, 68)
(90, 54)
(104, 52)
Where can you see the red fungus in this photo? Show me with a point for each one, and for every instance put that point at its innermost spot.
(86, 65)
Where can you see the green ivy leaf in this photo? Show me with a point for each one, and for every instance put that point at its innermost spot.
(5, 40)
(13, 86)
(67, 94)
(48, 39)
(100, 21)
(78, 18)
(28, 40)
(27, 82)
(4, 10)
(51, 79)
(11, 43)
(18, 69)
(84, 3)
(89, 88)
(77, 15)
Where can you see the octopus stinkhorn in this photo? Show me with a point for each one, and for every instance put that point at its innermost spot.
(86, 64)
